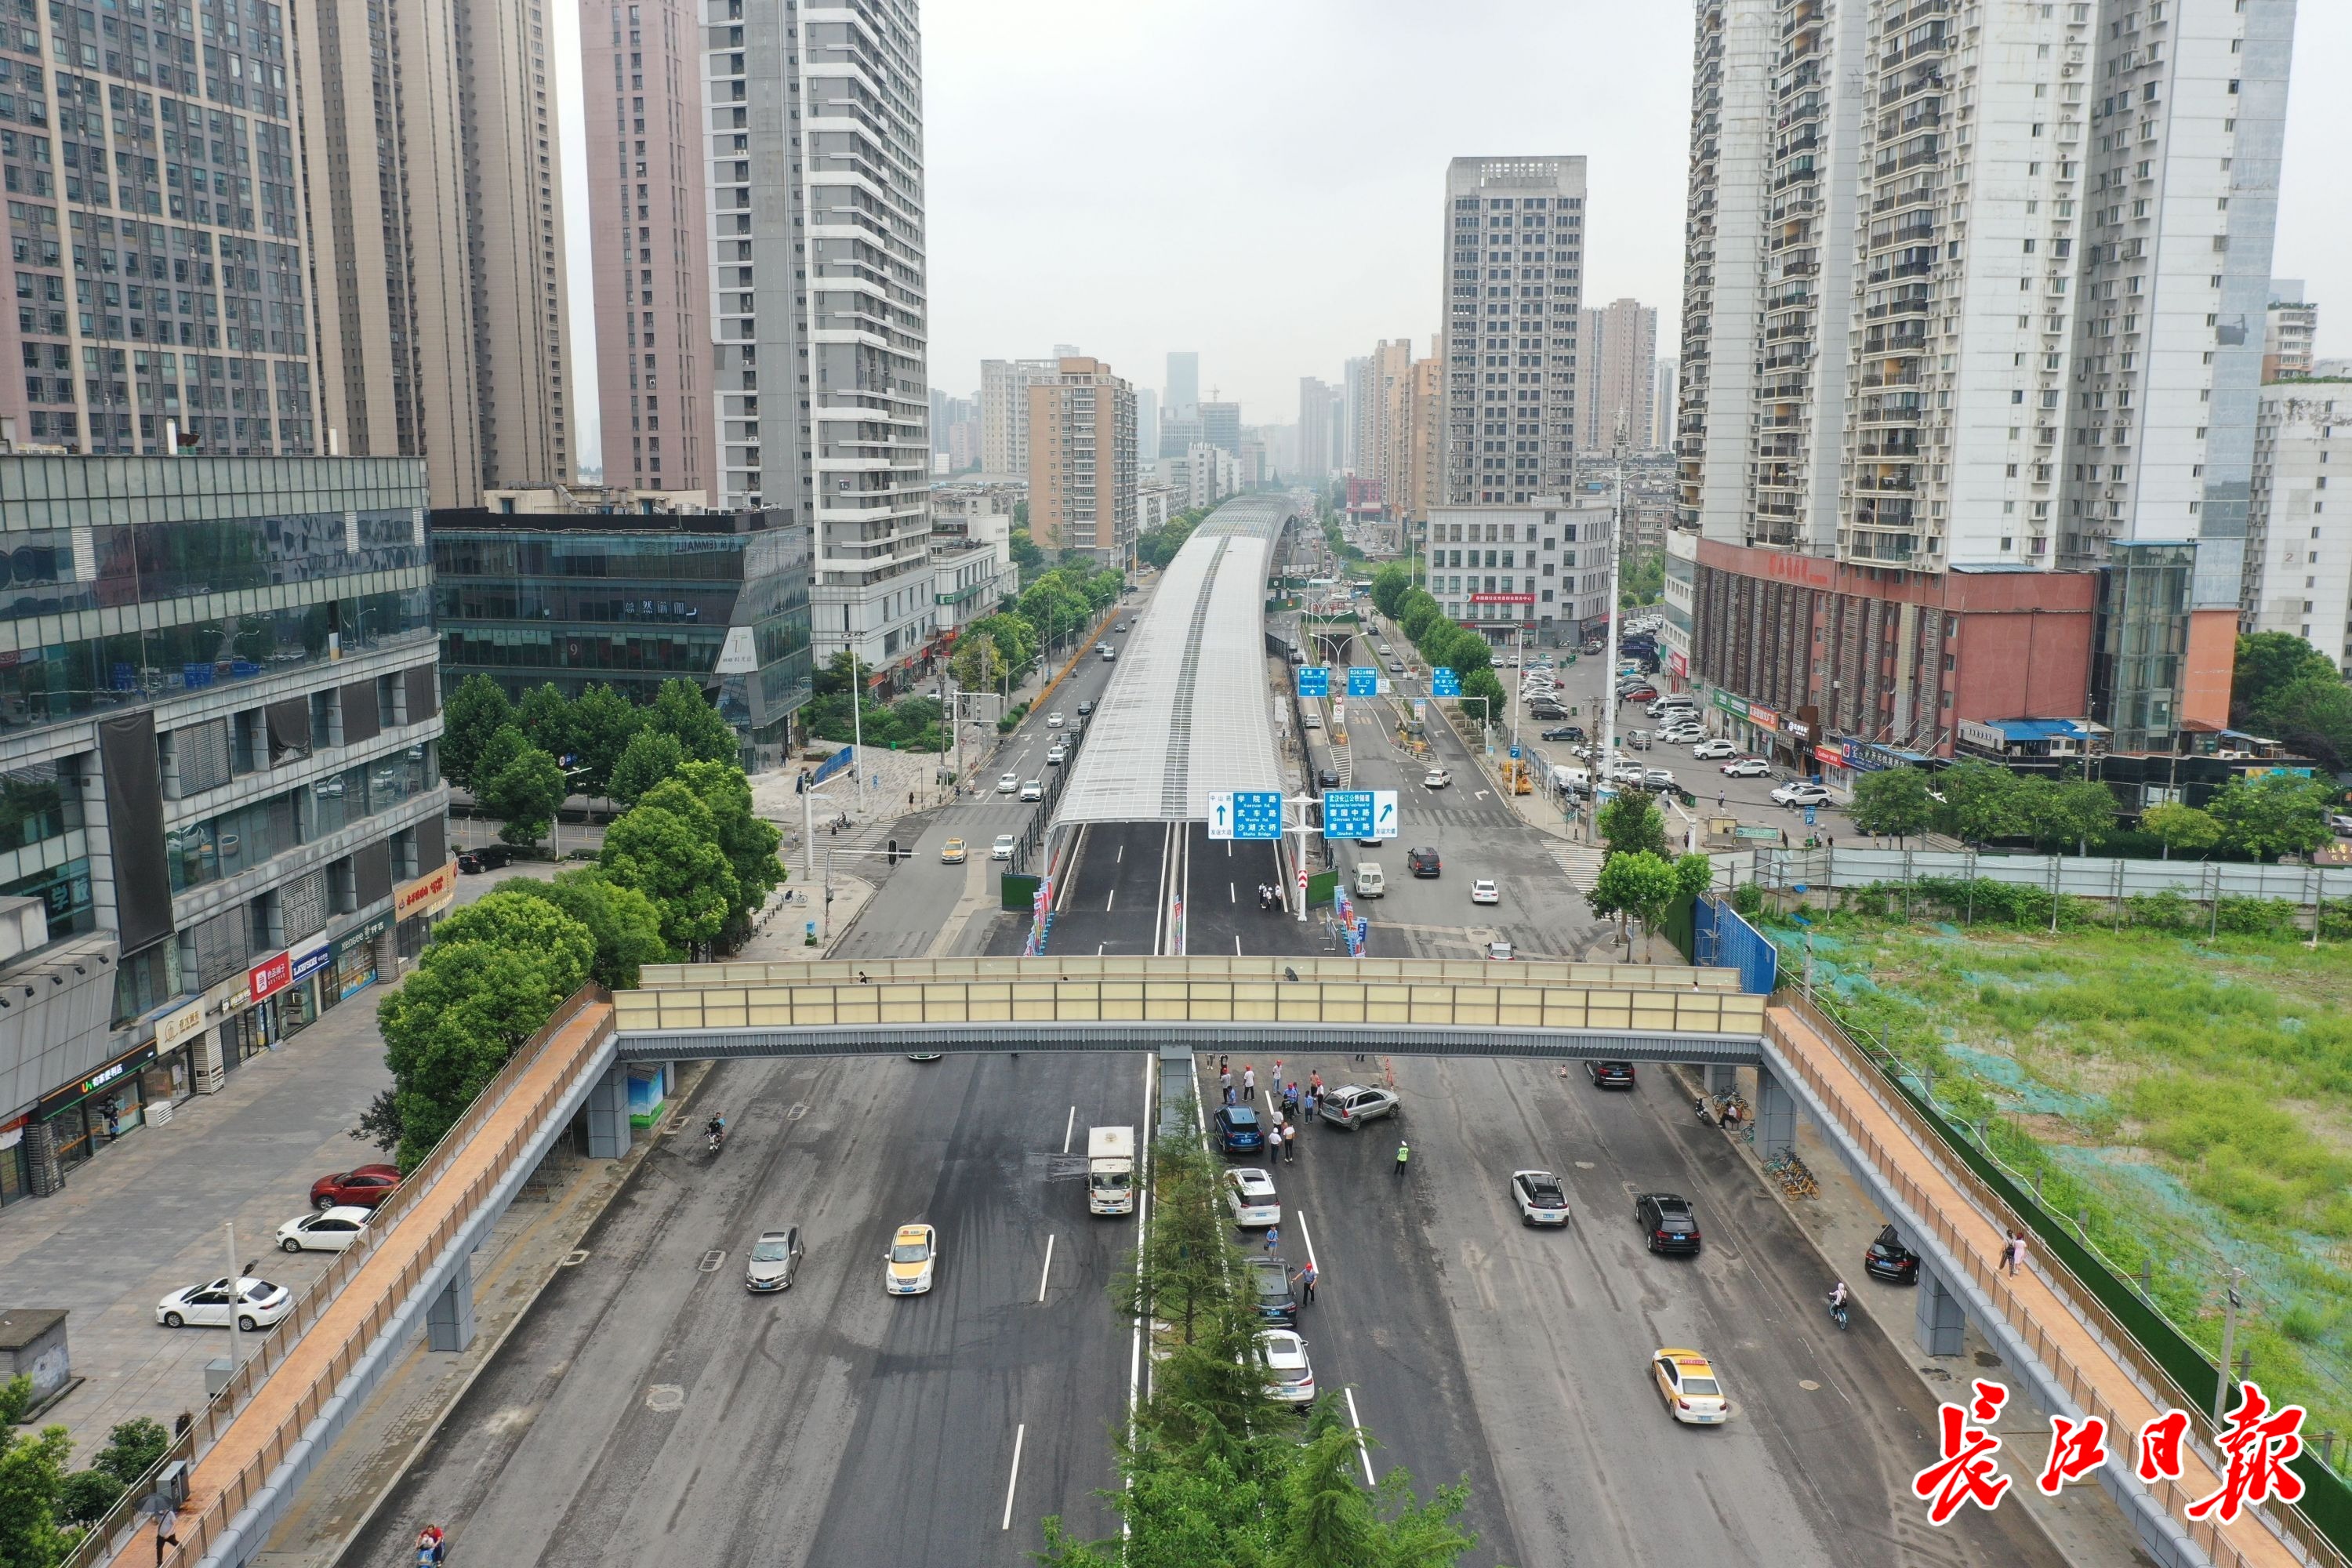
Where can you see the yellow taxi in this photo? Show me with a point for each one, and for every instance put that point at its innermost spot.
(914, 1253)
(951, 853)
(1686, 1382)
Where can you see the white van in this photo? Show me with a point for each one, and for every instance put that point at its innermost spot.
(1679, 702)
(1371, 882)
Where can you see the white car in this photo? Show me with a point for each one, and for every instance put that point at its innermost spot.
(1683, 735)
(1032, 789)
(1057, 755)
(1715, 746)
(1747, 768)
(1249, 1193)
(914, 1254)
(1002, 848)
(1291, 1379)
(1436, 778)
(259, 1304)
(1053, 720)
(1541, 1197)
(1007, 783)
(1798, 793)
(1626, 770)
(1483, 892)
(327, 1230)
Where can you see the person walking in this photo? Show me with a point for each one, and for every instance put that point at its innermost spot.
(1273, 1237)
(1225, 1081)
(1404, 1152)
(1307, 1105)
(1290, 1143)
(1249, 1080)
(1307, 1286)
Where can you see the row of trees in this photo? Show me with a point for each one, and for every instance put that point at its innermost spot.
(2287, 689)
(1216, 1470)
(1444, 642)
(1058, 605)
(1640, 878)
(44, 1505)
(1977, 801)
(1156, 547)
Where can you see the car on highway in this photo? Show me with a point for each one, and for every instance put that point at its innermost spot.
(1483, 892)
(775, 1258)
(1353, 1105)
(911, 1261)
(1396, 667)
(1237, 1129)
(1290, 1381)
(1666, 1221)
(1687, 1382)
(1422, 862)
(1007, 783)
(362, 1186)
(1053, 720)
(1889, 1259)
(1084, 709)
(1270, 1289)
(1328, 778)
(1564, 733)
(1800, 792)
(1032, 789)
(1002, 848)
(1057, 753)
(256, 1304)
(1500, 952)
(324, 1230)
(1250, 1195)
(1540, 1198)
(1657, 778)
(1120, 628)
(1712, 747)
(952, 852)
(1611, 1075)
(1747, 768)
(1436, 778)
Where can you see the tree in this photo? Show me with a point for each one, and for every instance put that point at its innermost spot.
(976, 665)
(602, 723)
(1026, 556)
(1893, 802)
(1419, 614)
(476, 710)
(527, 792)
(748, 842)
(2275, 815)
(838, 674)
(2078, 809)
(2181, 826)
(1486, 683)
(131, 1448)
(1390, 584)
(544, 715)
(16, 1398)
(84, 1495)
(667, 847)
(651, 756)
(32, 1473)
(2269, 662)
(1052, 607)
(1693, 875)
(621, 921)
(1013, 636)
(1638, 884)
(496, 754)
(2311, 713)
(1631, 824)
(1979, 802)
(679, 708)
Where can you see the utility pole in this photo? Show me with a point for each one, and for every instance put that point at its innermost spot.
(1608, 757)
(857, 724)
(2229, 1304)
(236, 1293)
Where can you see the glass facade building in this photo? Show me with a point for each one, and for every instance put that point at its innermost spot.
(630, 600)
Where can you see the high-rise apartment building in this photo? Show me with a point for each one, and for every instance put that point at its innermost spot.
(818, 292)
(1662, 405)
(1424, 443)
(1315, 460)
(1382, 415)
(1082, 460)
(1514, 232)
(1184, 384)
(1963, 308)
(2298, 578)
(1220, 426)
(1004, 411)
(1616, 364)
(1355, 398)
(2290, 332)
(642, 75)
(1146, 425)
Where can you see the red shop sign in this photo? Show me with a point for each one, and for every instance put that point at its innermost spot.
(270, 976)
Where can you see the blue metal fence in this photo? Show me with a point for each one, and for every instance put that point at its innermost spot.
(1723, 939)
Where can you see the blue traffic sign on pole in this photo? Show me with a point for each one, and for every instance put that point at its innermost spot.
(1364, 681)
(1443, 683)
(1314, 681)
(1347, 814)
(1515, 754)
(1257, 814)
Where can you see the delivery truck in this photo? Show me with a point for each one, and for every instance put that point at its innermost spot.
(1110, 1170)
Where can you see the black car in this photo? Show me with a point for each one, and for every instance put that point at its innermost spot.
(1421, 862)
(1547, 712)
(1666, 1221)
(1890, 1260)
(1237, 1129)
(488, 857)
(1611, 1075)
(1270, 1287)
(1327, 778)
(1565, 733)
(1085, 709)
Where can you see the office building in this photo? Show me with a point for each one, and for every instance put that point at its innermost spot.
(218, 730)
(1948, 400)
(641, 74)
(2289, 331)
(1355, 399)
(1082, 461)
(2298, 553)
(1184, 383)
(1179, 432)
(819, 302)
(1662, 407)
(971, 553)
(1616, 368)
(1004, 411)
(1316, 460)
(630, 593)
(1146, 425)
(1514, 233)
(1544, 569)
(1220, 426)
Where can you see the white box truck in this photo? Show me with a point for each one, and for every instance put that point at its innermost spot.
(1110, 1170)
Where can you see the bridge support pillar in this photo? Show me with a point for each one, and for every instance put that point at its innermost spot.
(449, 1320)
(1179, 1084)
(1937, 1321)
(1776, 1115)
(1722, 1078)
(608, 1114)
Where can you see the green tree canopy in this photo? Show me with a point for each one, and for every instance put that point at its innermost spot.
(2267, 663)
(621, 921)
(1635, 884)
(603, 722)
(1026, 556)
(666, 847)
(32, 1475)
(476, 710)
(651, 756)
(976, 665)
(1390, 584)
(2181, 826)
(2272, 815)
(679, 708)
(1979, 802)
(527, 792)
(544, 715)
(1632, 824)
(748, 842)
(1486, 683)
(1893, 802)
(1014, 636)
(838, 674)
(2313, 714)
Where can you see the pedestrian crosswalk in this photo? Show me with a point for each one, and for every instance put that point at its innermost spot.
(1581, 862)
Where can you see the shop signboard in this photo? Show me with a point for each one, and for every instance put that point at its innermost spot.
(1830, 756)
(1732, 705)
(1762, 716)
(230, 996)
(360, 934)
(56, 1099)
(310, 958)
(1867, 757)
(429, 895)
(173, 1029)
(1678, 664)
(270, 976)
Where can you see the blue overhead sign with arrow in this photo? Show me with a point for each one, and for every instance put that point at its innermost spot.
(1314, 681)
(1359, 814)
(1443, 683)
(1245, 813)
(1364, 681)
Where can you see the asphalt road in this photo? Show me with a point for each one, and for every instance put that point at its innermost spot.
(649, 1411)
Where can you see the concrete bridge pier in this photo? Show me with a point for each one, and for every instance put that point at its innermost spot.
(1776, 1115)
(608, 1114)
(449, 1320)
(1939, 1321)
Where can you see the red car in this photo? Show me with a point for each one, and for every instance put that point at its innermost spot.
(363, 1186)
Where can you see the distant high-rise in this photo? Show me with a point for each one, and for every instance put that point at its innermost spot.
(1315, 457)
(2290, 331)
(1616, 372)
(1661, 407)
(1383, 414)
(1180, 433)
(1004, 411)
(1355, 397)
(1146, 425)
(1220, 426)
(1514, 231)
(1082, 460)
(1184, 383)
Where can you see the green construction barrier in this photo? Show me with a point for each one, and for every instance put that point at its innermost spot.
(1320, 885)
(1016, 891)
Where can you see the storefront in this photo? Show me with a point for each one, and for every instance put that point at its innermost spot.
(308, 963)
(84, 1117)
(244, 1027)
(171, 1076)
(415, 905)
(352, 968)
(16, 1172)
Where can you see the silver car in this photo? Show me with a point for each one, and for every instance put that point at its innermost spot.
(775, 1258)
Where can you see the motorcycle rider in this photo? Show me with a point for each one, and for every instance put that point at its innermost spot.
(716, 1128)
(1837, 1302)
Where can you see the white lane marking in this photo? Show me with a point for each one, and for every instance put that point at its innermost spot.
(1308, 1236)
(1109, 899)
(1142, 1217)
(1020, 1433)
(1047, 1272)
(1069, 1129)
(1233, 896)
(1237, 944)
(1121, 855)
(1362, 1452)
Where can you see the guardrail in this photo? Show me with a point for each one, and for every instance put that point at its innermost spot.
(1210, 966)
(2293, 1534)
(323, 1294)
(2072, 876)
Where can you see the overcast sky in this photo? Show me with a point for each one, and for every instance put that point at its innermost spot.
(1264, 183)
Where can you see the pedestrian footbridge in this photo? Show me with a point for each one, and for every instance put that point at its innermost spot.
(256, 1443)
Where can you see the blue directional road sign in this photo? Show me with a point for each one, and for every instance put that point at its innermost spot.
(1314, 681)
(1347, 814)
(1257, 814)
(1515, 754)
(1364, 681)
(1443, 683)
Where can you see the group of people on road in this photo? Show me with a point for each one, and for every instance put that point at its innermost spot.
(1269, 897)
